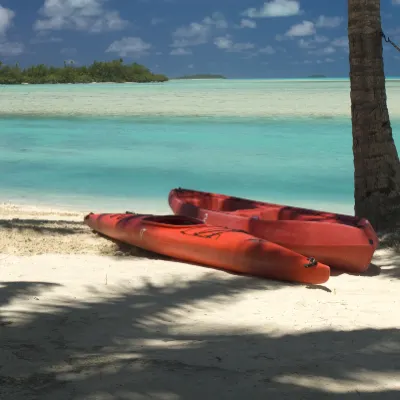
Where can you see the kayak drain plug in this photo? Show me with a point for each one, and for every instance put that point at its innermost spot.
(312, 262)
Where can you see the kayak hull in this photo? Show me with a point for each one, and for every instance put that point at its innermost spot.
(189, 239)
(341, 241)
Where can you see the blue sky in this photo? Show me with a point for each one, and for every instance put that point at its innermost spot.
(243, 38)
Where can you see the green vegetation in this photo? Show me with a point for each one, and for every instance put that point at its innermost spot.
(111, 71)
(202, 76)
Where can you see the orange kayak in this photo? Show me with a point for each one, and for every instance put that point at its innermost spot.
(341, 241)
(189, 239)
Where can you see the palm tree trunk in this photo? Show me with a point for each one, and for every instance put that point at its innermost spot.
(376, 162)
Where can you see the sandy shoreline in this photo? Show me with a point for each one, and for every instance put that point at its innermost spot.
(84, 318)
(257, 99)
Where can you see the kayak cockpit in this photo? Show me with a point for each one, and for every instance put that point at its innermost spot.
(172, 220)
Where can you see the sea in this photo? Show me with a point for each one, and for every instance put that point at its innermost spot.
(118, 147)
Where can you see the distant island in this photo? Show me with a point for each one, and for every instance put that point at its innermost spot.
(114, 71)
(317, 76)
(201, 76)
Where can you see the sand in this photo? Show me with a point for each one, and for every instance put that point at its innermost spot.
(227, 98)
(83, 318)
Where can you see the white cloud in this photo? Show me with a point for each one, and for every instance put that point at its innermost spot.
(267, 50)
(321, 39)
(45, 39)
(197, 33)
(180, 51)
(226, 43)
(216, 19)
(129, 46)
(191, 35)
(306, 44)
(11, 48)
(110, 21)
(274, 8)
(223, 42)
(297, 62)
(323, 51)
(305, 28)
(156, 21)
(6, 19)
(328, 50)
(313, 42)
(247, 23)
(395, 2)
(325, 60)
(328, 22)
(70, 51)
(84, 15)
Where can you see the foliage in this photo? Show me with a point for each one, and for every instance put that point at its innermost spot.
(111, 71)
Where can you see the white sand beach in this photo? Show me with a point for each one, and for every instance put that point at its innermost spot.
(83, 318)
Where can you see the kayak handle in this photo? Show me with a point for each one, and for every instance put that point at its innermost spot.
(312, 262)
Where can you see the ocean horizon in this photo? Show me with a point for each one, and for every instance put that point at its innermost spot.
(122, 147)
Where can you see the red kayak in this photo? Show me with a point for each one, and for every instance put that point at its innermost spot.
(189, 239)
(341, 241)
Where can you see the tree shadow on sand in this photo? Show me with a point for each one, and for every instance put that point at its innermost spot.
(10, 291)
(127, 344)
(44, 226)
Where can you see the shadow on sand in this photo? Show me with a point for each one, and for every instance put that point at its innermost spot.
(44, 226)
(127, 345)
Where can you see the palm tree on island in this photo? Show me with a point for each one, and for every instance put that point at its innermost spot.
(99, 71)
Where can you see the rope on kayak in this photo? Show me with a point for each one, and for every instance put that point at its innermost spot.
(211, 232)
(312, 262)
(388, 40)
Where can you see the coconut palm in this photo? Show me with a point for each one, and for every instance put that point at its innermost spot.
(376, 162)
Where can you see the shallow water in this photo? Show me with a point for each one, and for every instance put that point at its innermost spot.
(126, 161)
(244, 98)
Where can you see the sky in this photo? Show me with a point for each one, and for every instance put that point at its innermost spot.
(239, 39)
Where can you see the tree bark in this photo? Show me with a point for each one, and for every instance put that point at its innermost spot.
(376, 162)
